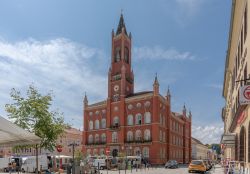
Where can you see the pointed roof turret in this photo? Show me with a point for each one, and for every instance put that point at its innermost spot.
(190, 113)
(156, 80)
(121, 25)
(85, 100)
(168, 92)
(184, 110)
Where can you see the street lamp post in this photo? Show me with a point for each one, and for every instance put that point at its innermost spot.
(73, 148)
(124, 148)
(130, 149)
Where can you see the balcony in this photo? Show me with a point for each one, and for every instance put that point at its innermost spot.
(138, 141)
(95, 143)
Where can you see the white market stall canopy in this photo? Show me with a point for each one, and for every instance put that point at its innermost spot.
(11, 134)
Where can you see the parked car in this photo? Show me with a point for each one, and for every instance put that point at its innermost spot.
(197, 166)
(171, 164)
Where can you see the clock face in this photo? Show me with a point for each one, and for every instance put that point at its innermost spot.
(116, 88)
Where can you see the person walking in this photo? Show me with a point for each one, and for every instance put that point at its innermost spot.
(10, 167)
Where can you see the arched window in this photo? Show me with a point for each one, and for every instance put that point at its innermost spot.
(101, 152)
(97, 124)
(145, 152)
(129, 136)
(96, 138)
(138, 136)
(103, 123)
(116, 121)
(137, 151)
(160, 119)
(138, 119)
(90, 125)
(147, 117)
(164, 137)
(88, 152)
(160, 135)
(103, 137)
(130, 120)
(126, 55)
(147, 104)
(147, 135)
(117, 54)
(114, 137)
(242, 144)
(90, 139)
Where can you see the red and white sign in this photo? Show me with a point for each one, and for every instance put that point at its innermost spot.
(245, 95)
(107, 151)
(59, 148)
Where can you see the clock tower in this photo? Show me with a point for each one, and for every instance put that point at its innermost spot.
(121, 77)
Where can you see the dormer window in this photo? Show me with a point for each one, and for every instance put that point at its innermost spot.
(117, 54)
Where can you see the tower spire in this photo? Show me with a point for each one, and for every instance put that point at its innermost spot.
(85, 101)
(121, 26)
(184, 110)
(156, 80)
(156, 86)
(168, 92)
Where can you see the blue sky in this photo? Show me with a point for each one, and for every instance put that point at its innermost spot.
(65, 46)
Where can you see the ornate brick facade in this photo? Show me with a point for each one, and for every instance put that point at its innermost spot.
(134, 123)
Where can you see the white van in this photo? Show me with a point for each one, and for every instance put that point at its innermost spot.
(100, 162)
(29, 163)
(4, 163)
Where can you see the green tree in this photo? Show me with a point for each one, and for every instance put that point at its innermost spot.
(78, 157)
(33, 114)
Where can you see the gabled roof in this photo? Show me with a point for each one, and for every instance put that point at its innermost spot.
(138, 94)
(98, 103)
(197, 141)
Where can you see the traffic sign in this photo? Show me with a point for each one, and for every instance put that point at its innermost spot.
(59, 148)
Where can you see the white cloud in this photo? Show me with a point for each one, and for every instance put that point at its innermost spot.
(60, 65)
(66, 67)
(189, 7)
(216, 86)
(208, 134)
(158, 52)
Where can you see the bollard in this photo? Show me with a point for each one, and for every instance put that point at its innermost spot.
(98, 167)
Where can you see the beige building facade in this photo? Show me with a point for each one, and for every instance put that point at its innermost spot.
(199, 150)
(236, 116)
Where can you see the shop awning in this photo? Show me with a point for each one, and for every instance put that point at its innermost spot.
(11, 134)
(228, 139)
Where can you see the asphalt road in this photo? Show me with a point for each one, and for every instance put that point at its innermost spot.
(180, 170)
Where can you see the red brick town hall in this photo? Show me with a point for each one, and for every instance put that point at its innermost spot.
(132, 123)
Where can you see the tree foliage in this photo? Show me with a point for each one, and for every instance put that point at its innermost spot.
(33, 114)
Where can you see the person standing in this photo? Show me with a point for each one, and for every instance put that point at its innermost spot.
(10, 167)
